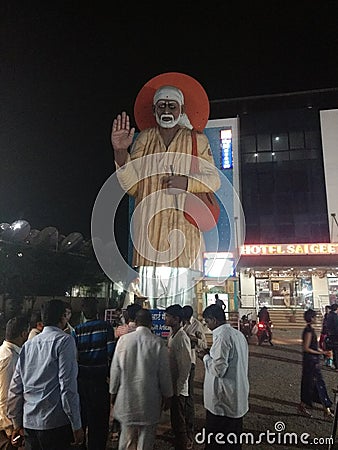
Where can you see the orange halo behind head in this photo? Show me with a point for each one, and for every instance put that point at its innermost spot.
(196, 100)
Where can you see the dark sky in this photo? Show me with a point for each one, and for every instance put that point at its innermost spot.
(66, 70)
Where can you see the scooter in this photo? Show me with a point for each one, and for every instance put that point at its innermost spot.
(264, 333)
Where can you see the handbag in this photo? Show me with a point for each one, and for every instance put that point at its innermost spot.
(328, 344)
(194, 211)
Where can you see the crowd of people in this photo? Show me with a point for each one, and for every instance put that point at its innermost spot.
(60, 389)
(62, 385)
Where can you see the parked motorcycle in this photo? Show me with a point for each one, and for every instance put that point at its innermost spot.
(264, 332)
(246, 325)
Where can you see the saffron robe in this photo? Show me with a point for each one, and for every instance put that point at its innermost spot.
(161, 234)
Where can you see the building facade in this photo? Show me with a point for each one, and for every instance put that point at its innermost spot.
(287, 165)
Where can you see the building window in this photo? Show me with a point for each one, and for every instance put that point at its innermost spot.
(248, 144)
(296, 139)
(281, 174)
(280, 142)
(264, 143)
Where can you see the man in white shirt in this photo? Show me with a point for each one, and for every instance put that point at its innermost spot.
(42, 396)
(226, 384)
(180, 365)
(140, 384)
(195, 331)
(16, 335)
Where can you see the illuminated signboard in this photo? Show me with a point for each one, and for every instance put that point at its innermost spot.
(289, 249)
(226, 149)
(218, 264)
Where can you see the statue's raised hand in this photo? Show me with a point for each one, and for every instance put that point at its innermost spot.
(121, 137)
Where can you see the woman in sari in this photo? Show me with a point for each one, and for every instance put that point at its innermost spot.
(313, 388)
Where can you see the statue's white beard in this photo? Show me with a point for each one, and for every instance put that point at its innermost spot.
(167, 120)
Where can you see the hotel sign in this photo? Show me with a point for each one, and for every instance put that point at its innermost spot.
(289, 249)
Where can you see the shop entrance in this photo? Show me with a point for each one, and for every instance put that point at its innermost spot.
(284, 292)
(333, 289)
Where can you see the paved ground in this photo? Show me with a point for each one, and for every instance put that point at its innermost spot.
(275, 374)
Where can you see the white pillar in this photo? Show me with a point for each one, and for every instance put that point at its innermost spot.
(247, 288)
(320, 292)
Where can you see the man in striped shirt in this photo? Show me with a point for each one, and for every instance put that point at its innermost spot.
(95, 345)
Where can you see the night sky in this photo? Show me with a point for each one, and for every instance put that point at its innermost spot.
(66, 70)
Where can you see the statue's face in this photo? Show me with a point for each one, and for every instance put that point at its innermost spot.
(167, 113)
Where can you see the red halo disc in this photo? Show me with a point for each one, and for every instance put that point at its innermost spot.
(196, 100)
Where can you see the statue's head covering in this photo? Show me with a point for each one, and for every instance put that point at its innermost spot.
(169, 93)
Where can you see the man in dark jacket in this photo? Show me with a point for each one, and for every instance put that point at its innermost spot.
(264, 317)
(332, 332)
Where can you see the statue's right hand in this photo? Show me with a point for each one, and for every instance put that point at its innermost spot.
(122, 135)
